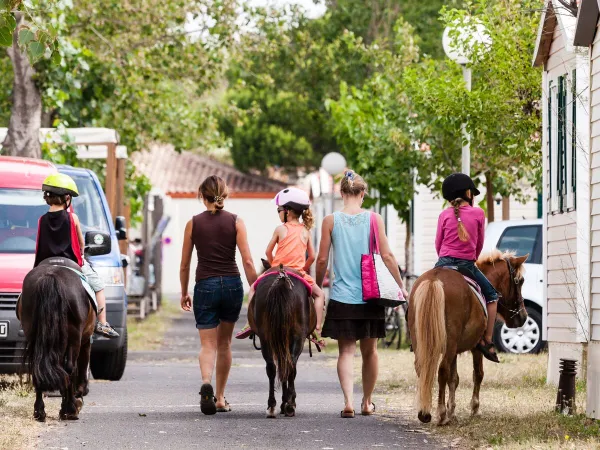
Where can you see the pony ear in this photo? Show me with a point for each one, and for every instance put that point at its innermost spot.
(519, 260)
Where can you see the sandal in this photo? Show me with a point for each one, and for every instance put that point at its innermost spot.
(347, 414)
(485, 349)
(316, 339)
(370, 412)
(225, 408)
(207, 400)
(244, 333)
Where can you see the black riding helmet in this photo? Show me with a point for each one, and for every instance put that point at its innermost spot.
(456, 185)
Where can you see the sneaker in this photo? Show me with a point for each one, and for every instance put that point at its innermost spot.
(106, 330)
(244, 332)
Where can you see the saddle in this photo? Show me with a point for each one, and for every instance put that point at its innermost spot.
(289, 272)
(74, 267)
(473, 285)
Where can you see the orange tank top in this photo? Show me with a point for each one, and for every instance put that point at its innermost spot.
(291, 250)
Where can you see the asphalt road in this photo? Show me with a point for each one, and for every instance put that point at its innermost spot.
(156, 406)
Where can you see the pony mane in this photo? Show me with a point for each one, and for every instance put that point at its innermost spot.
(495, 255)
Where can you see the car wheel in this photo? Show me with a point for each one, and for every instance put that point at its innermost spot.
(110, 365)
(525, 339)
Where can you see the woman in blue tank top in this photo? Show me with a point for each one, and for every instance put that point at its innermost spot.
(349, 319)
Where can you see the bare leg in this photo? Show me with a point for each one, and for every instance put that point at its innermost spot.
(224, 333)
(477, 379)
(319, 297)
(208, 353)
(370, 370)
(452, 385)
(345, 369)
(101, 300)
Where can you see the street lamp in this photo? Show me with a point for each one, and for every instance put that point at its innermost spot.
(459, 48)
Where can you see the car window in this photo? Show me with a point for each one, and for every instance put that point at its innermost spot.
(522, 240)
(88, 206)
(20, 210)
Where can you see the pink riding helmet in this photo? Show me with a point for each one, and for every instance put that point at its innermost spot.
(293, 198)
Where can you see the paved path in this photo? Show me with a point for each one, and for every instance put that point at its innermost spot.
(155, 406)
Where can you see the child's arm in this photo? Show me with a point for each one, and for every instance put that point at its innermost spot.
(439, 237)
(272, 244)
(480, 233)
(311, 254)
(79, 233)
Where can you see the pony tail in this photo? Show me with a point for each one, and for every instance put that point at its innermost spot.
(307, 219)
(463, 234)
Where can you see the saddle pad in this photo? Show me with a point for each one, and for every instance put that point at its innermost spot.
(477, 291)
(86, 286)
(291, 274)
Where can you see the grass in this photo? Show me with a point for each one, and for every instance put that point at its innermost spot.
(18, 430)
(516, 405)
(148, 334)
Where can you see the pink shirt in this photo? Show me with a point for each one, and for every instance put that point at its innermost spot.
(447, 242)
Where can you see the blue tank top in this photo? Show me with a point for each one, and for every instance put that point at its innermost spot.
(350, 240)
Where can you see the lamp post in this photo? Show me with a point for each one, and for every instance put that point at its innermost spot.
(459, 48)
(333, 163)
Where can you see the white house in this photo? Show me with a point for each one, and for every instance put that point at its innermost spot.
(179, 175)
(567, 50)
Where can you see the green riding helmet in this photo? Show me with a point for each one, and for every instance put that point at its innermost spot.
(60, 184)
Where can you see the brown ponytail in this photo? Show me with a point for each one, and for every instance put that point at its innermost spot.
(214, 190)
(463, 234)
(307, 219)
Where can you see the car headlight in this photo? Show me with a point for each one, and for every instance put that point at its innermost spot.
(111, 276)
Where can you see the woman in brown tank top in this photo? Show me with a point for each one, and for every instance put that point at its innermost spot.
(218, 293)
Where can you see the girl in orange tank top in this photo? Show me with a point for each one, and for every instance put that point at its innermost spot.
(295, 250)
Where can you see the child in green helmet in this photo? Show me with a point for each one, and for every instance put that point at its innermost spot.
(59, 235)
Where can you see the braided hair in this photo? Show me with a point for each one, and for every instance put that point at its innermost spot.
(463, 234)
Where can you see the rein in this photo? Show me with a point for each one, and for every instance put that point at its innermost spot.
(514, 278)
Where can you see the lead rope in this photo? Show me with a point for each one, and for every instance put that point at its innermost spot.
(254, 342)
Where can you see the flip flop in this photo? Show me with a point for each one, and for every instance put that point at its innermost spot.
(207, 400)
(370, 412)
(225, 408)
(347, 414)
(244, 333)
(485, 349)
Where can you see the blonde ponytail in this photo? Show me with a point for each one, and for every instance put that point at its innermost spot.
(307, 219)
(463, 234)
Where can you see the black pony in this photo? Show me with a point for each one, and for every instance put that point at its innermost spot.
(58, 320)
(283, 315)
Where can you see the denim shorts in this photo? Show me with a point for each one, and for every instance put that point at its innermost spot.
(488, 291)
(216, 300)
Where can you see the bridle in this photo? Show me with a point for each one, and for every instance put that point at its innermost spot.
(515, 281)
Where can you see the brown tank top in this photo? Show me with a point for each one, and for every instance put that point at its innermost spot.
(214, 236)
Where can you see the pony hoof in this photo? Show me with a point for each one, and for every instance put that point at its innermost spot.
(444, 421)
(290, 411)
(69, 416)
(39, 416)
(271, 413)
(424, 417)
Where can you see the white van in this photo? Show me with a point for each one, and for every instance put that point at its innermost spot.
(523, 237)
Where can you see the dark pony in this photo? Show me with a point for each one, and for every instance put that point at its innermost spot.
(446, 319)
(283, 315)
(58, 321)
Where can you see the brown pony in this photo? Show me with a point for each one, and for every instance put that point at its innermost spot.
(283, 315)
(58, 321)
(445, 319)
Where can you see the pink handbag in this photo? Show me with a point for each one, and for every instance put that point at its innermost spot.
(378, 284)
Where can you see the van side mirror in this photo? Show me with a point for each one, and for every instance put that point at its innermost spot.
(97, 243)
(121, 227)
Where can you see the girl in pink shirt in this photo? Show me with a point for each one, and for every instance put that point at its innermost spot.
(459, 240)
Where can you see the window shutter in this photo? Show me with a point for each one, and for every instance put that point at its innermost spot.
(572, 196)
(562, 144)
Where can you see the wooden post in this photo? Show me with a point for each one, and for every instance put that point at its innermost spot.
(110, 187)
(505, 208)
(157, 253)
(121, 206)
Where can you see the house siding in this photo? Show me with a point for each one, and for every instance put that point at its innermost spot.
(561, 229)
(595, 187)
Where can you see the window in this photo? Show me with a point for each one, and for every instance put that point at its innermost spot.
(523, 240)
(20, 210)
(562, 142)
(88, 206)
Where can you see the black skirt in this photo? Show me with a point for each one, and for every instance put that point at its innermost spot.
(355, 322)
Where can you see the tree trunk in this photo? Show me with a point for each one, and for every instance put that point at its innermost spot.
(505, 208)
(489, 196)
(23, 137)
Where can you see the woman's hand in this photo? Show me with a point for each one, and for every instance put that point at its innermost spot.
(404, 293)
(186, 302)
